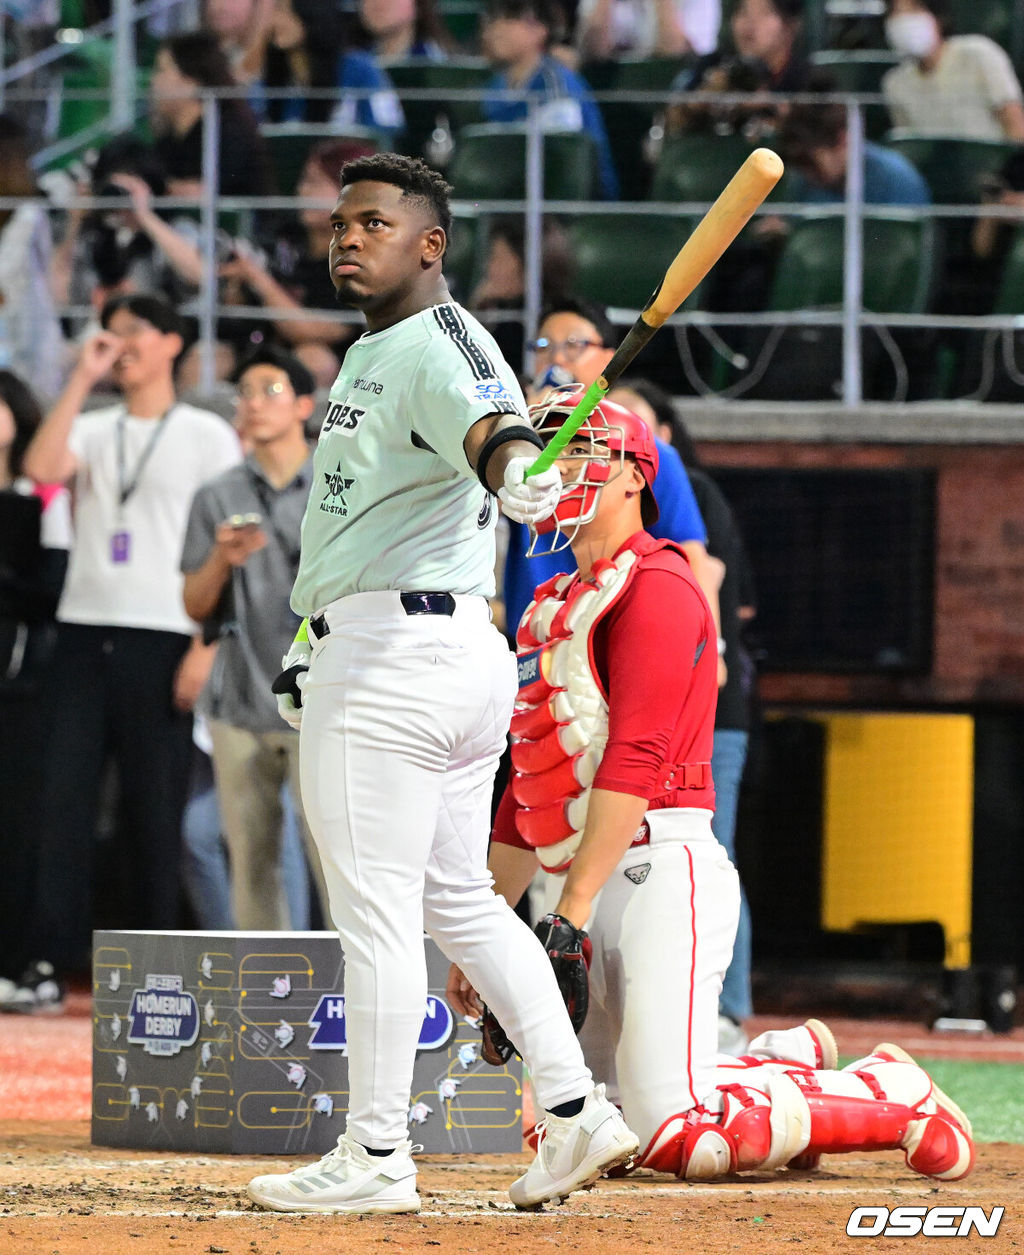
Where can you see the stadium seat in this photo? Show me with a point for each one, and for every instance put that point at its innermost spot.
(289, 144)
(417, 73)
(627, 122)
(899, 265)
(861, 71)
(490, 164)
(695, 166)
(954, 168)
(620, 258)
(997, 19)
(466, 251)
(805, 362)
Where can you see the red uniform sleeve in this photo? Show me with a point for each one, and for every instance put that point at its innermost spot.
(505, 831)
(656, 654)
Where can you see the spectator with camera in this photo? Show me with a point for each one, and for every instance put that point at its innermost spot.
(768, 59)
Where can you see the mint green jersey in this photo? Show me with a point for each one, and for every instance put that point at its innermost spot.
(394, 502)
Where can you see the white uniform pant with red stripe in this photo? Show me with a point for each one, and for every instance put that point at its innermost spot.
(662, 929)
(404, 718)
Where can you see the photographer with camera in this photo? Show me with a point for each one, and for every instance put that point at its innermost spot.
(768, 58)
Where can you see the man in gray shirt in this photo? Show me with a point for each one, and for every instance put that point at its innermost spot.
(240, 557)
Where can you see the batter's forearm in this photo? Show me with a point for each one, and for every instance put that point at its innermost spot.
(612, 822)
(482, 431)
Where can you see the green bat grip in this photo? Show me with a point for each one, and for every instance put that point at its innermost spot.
(637, 336)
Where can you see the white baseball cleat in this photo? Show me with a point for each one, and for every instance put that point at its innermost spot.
(573, 1152)
(347, 1179)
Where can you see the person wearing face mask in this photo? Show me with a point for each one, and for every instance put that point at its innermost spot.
(953, 85)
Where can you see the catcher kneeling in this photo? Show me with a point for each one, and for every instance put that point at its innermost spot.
(611, 789)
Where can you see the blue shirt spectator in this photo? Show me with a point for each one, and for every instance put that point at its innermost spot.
(307, 48)
(815, 145)
(679, 520)
(515, 36)
(889, 179)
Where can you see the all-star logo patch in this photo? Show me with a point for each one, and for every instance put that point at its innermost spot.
(337, 485)
(637, 874)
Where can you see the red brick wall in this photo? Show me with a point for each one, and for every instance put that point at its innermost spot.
(979, 572)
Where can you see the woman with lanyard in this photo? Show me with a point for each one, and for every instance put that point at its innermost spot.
(126, 671)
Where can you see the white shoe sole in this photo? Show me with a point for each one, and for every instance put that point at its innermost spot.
(589, 1171)
(826, 1042)
(942, 1098)
(366, 1206)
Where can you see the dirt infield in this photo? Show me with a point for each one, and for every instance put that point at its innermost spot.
(59, 1195)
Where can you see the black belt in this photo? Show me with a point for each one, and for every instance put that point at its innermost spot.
(412, 603)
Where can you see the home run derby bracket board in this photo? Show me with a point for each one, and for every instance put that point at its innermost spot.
(236, 1042)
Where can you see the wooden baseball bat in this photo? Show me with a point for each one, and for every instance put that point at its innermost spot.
(711, 237)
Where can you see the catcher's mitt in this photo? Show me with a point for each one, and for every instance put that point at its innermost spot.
(567, 947)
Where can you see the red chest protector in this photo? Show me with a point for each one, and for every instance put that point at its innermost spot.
(560, 722)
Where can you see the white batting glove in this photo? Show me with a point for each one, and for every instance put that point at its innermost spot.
(289, 684)
(533, 499)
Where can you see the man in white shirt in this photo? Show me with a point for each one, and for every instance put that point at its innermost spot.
(125, 672)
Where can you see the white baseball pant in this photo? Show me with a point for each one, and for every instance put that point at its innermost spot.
(404, 719)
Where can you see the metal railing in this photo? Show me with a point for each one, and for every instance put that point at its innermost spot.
(851, 318)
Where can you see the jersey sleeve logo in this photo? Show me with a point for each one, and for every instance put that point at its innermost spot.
(491, 392)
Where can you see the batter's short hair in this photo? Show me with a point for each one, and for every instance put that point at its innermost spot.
(413, 176)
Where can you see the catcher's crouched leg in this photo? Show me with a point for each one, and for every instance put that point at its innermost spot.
(761, 1126)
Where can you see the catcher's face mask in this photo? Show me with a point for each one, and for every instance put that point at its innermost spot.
(594, 457)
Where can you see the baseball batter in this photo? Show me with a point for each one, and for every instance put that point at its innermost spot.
(404, 691)
(612, 790)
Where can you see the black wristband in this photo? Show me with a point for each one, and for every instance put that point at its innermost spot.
(519, 432)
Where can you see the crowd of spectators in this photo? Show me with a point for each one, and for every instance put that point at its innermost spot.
(97, 309)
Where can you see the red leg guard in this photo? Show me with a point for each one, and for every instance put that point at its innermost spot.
(935, 1146)
(840, 1123)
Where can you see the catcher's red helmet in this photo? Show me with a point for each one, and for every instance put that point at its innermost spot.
(609, 427)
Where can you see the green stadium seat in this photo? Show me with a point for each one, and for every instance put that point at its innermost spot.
(289, 144)
(997, 19)
(695, 166)
(954, 168)
(627, 122)
(462, 20)
(1010, 294)
(490, 164)
(899, 265)
(861, 71)
(465, 74)
(466, 251)
(621, 257)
